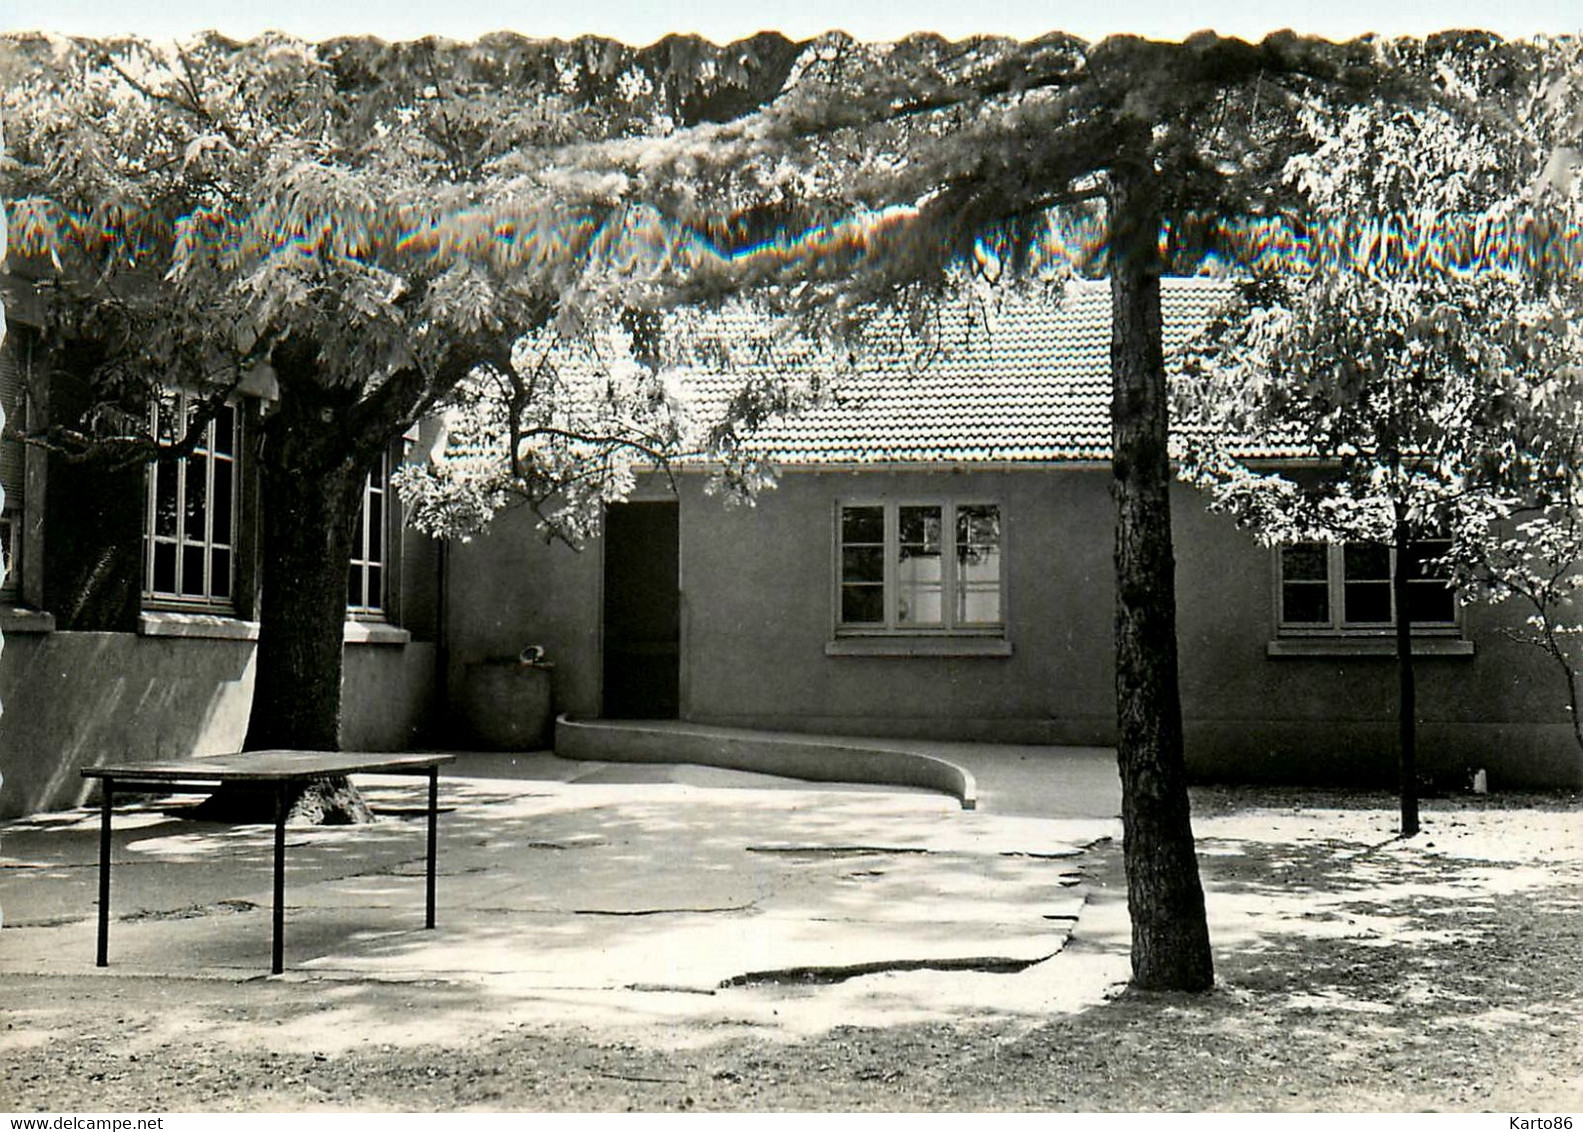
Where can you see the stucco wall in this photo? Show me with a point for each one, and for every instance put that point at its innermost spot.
(76, 699)
(508, 589)
(757, 594)
(387, 697)
(1250, 715)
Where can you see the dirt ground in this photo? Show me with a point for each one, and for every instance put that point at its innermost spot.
(1355, 972)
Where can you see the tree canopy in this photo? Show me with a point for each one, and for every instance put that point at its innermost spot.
(349, 229)
(377, 223)
(1414, 359)
(396, 208)
(1429, 359)
(935, 162)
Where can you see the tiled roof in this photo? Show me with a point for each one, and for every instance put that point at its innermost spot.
(1032, 386)
(1035, 387)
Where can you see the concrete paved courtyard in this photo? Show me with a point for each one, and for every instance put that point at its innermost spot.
(576, 890)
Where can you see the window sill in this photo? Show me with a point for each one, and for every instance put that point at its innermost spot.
(15, 620)
(198, 625)
(1366, 646)
(918, 646)
(374, 633)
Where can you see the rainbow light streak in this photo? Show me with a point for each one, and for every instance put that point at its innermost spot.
(1067, 243)
(640, 241)
(1462, 245)
(42, 227)
(636, 240)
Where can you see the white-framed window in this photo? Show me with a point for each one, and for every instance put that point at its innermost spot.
(919, 567)
(190, 541)
(367, 575)
(1345, 588)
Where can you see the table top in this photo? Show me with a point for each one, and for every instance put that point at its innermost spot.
(271, 766)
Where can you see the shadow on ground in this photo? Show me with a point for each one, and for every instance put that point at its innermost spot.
(581, 891)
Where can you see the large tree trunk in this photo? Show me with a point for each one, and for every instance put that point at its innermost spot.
(311, 492)
(307, 539)
(1407, 706)
(1170, 935)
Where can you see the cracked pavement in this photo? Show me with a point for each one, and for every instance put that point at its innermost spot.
(569, 889)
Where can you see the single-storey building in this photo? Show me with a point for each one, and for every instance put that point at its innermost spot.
(935, 562)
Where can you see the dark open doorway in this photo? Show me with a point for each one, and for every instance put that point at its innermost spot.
(642, 632)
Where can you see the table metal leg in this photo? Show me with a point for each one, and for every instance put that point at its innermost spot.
(434, 810)
(106, 802)
(277, 953)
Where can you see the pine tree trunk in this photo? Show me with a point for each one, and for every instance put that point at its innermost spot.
(1407, 705)
(1170, 934)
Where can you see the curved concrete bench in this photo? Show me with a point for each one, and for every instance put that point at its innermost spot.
(816, 758)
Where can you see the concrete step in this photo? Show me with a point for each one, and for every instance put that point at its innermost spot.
(814, 758)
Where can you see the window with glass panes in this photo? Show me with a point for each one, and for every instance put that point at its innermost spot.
(365, 583)
(1341, 587)
(919, 567)
(192, 504)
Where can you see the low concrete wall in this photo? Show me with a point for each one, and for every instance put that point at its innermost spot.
(814, 758)
(76, 699)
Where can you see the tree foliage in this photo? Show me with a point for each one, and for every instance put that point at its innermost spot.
(886, 175)
(1430, 369)
(353, 227)
(398, 207)
(575, 420)
(380, 224)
